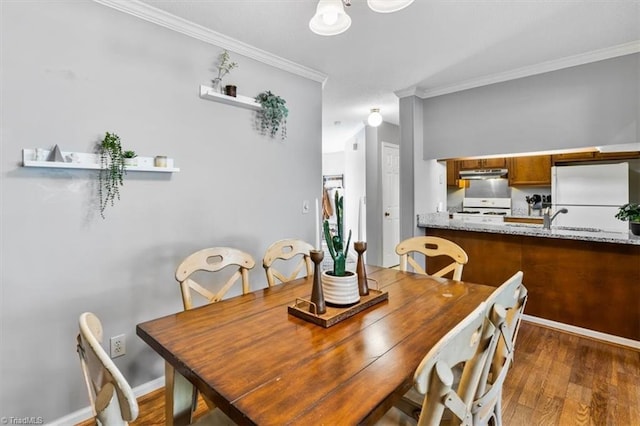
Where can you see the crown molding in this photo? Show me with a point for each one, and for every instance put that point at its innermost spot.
(409, 91)
(172, 22)
(570, 61)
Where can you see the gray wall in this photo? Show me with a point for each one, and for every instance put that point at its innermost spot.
(374, 136)
(70, 72)
(588, 105)
(411, 130)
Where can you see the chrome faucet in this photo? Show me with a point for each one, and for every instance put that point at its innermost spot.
(546, 220)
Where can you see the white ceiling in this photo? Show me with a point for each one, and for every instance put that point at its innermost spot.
(432, 46)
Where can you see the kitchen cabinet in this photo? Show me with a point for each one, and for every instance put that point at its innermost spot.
(453, 175)
(573, 157)
(530, 170)
(617, 155)
(555, 271)
(483, 163)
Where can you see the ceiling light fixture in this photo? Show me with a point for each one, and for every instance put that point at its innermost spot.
(331, 19)
(375, 118)
(388, 6)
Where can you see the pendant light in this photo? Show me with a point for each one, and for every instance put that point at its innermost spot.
(330, 18)
(375, 118)
(388, 6)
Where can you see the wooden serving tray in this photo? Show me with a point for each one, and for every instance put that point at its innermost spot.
(335, 314)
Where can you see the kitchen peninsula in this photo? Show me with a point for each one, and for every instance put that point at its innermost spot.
(579, 277)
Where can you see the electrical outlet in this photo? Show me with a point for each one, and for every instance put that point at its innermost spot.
(118, 346)
(305, 206)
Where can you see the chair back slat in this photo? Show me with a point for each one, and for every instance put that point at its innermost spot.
(286, 250)
(432, 247)
(505, 309)
(434, 377)
(213, 259)
(111, 396)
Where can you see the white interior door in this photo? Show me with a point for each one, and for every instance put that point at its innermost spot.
(390, 203)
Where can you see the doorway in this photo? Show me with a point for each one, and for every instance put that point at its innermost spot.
(390, 173)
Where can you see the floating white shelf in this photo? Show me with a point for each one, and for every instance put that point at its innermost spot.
(88, 161)
(240, 101)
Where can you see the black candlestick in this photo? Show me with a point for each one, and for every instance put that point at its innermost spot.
(363, 288)
(317, 297)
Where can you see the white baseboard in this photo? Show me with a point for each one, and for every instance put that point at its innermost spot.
(609, 338)
(86, 413)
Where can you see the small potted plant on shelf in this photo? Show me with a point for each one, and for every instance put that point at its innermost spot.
(130, 158)
(273, 114)
(340, 287)
(224, 67)
(630, 212)
(112, 171)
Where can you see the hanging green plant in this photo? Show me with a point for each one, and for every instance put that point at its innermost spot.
(273, 114)
(112, 170)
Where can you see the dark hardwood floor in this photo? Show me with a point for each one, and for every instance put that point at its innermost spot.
(557, 379)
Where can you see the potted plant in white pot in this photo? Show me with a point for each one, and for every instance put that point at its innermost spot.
(630, 212)
(340, 286)
(130, 158)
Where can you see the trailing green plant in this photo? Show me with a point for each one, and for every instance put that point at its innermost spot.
(224, 67)
(629, 212)
(112, 170)
(335, 242)
(273, 114)
(129, 154)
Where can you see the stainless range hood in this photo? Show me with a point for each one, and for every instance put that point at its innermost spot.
(483, 174)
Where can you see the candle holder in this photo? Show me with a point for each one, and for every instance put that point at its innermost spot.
(363, 288)
(317, 297)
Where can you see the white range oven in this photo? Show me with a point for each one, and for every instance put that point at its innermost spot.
(484, 210)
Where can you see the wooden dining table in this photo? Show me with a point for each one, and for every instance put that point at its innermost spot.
(263, 366)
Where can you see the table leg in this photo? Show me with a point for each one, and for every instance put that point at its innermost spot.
(179, 397)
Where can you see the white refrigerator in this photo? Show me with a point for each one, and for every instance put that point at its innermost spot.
(592, 194)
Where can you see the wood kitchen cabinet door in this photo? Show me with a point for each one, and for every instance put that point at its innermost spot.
(494, 163)
(574, 156)
(483, 163)
(530, 170)
(470, 164)
(453, 175)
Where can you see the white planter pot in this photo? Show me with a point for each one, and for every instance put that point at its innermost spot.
(340, 291)
(131, 161)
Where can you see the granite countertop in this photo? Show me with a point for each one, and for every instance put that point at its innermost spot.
(442, 221)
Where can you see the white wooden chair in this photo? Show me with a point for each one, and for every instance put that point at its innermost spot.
(213, 260)
(286, 250)
(442, 396)
(506, 306)
(432, 247)
(111, 397)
